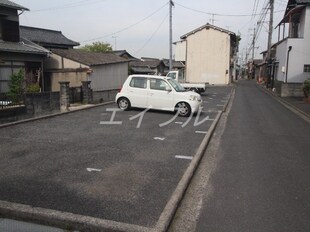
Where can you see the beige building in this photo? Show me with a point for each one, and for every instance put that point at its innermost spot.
(209, 53)
(106, 71)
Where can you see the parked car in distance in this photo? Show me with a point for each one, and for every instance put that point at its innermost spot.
(157, 92)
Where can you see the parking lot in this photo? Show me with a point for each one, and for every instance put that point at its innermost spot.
(103, 163)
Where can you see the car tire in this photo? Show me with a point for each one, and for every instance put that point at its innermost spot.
(123, 103)
(184, 109)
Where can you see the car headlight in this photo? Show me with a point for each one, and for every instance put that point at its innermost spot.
(193, 98)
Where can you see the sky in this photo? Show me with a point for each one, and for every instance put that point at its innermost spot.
(142, 26)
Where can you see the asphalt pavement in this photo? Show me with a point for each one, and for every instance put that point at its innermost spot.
(257, 175)
(101, 163)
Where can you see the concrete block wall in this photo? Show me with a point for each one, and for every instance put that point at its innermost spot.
(104, 96)
(42, 103)
(291, 90)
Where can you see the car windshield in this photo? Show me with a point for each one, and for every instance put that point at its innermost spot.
(176, 85)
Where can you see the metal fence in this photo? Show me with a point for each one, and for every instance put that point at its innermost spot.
(7, 102)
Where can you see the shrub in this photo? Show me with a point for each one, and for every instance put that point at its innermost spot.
(306, 88)
(33, 88)
(16, 87)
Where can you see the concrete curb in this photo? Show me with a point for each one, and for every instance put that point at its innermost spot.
(288, 105)
(169, 211)
(172, 205)
(84, 223)
(52, 115)
(64, 220)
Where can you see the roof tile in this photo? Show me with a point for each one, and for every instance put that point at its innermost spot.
(89, 58)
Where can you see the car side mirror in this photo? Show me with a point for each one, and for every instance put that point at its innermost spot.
(168, 89)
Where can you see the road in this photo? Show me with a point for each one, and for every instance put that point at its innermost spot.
(98, 164)
(256, 175)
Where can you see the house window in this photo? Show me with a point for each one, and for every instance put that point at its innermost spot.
(307, 68)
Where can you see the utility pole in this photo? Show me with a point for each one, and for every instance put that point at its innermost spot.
(212, 20)
(270, 29)
(253, 54)
(114, 37)
(171, 4)
(253, 44)
(269, 61)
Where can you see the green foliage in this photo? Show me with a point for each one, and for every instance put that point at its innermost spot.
(238, 38)
(97, 47)
(306, 88)
(16, 87)
(33, 88)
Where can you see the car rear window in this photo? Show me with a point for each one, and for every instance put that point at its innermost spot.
(138, 82)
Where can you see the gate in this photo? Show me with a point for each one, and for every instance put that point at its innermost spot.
(76, 95)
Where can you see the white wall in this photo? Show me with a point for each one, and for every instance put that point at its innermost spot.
(208, 57)
(299, 55)
(180, 51)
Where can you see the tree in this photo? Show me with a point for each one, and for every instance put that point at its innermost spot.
(17, 86)
(97, 47)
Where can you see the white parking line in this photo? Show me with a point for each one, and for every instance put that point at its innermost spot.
(93, 170)
(201, 132)
(220, 105)
(159, 138)
(183, 157)
(178, 123)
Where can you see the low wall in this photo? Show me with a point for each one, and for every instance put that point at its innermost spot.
(104, 96)
(42, 103)
(11, 114)
(291, 90)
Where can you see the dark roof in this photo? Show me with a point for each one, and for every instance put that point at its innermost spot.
(124, 54)
(21, 47)
(142, 70)
(12, 5)
(89, 58)
(46, 37)
(175, 64)
(150, 63)
(207, 26)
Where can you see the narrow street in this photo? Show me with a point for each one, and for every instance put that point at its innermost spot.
(255, 177)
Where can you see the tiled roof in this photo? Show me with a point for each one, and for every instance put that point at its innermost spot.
(21, 47)
(45, 37)
(89, 58)
(12, 5)
(151, 63)
(175, 64)
(124, 54)
(142, 70)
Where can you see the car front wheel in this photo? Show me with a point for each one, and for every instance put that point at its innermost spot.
(123, 104)
(184, 109)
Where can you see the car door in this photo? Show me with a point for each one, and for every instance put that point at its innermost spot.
(160, 95)
(137, 92)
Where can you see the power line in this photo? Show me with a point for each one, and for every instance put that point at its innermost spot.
(151, 37)
(128, 27)
(216, 14)
(66, 6)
